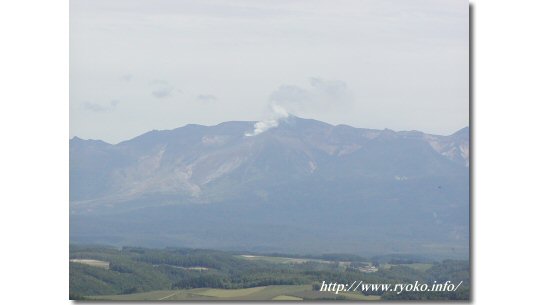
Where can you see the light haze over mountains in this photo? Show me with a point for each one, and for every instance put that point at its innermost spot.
(303, 186)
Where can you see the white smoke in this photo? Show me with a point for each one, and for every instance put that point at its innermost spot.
(277, 113)
(319, 97)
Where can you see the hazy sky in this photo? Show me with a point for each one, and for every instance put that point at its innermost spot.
(138, 65)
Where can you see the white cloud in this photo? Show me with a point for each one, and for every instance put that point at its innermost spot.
(319, 95)
(161, 89)
(96, 107)
(206, 98)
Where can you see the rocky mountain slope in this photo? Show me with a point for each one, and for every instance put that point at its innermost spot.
(379, 190)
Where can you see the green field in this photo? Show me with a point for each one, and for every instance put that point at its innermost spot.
(418, 266)
(275, 292)
(422, 267)
(132, 273)
(283, 260)
(291, 260)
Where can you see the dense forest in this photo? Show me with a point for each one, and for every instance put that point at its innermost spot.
(131, 270)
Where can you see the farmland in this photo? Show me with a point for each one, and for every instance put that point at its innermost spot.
(276, 292)
(129, 273)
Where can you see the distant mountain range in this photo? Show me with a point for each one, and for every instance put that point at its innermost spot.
(304, 186)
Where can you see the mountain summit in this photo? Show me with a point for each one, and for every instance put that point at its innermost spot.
(285, 189)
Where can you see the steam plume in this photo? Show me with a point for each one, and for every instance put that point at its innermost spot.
(277, 113)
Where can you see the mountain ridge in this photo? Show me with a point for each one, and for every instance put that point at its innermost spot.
(251, 123)
(321, 171)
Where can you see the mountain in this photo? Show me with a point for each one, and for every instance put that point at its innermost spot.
(305, 186)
